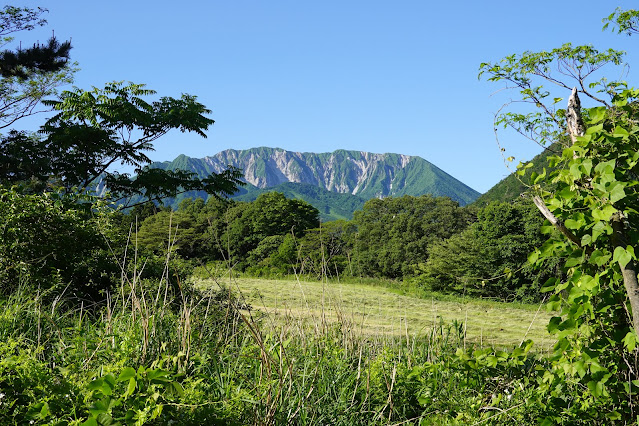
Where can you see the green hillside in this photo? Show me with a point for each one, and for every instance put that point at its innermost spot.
(512, 186)
(331, 205)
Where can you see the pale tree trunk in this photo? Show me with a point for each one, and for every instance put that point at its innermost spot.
(575, 127)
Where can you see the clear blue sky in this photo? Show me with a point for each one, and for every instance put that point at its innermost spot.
(316, 76)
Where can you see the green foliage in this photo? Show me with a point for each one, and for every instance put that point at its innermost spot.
(591, 194)
(244, 234)
(270, 214)
(490, 257)
(513, 186)
(623, 21)
(331, 205)
(95, 129)
(527, 73)
(27, 391)
(596, 188)
(327, 252)
(394, 234)
(28, 75)
(133, 398)
(321, 253)
(55, 243)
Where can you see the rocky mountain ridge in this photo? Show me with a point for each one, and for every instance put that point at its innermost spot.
(367, 175)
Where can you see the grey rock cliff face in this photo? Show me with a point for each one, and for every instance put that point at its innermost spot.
(367, 175)
(339, 171)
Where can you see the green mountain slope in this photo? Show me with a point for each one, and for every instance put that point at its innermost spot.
(331, 205)
(512, 186)
(363, 174)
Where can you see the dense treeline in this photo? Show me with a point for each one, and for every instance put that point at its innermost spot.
(429, 240)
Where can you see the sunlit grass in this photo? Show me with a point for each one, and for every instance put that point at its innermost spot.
(376, 311)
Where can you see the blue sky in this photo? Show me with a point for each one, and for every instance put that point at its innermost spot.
(315, 76)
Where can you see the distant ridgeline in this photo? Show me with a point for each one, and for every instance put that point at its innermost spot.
(336, 183)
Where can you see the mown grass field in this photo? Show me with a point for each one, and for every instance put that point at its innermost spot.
(375, 311)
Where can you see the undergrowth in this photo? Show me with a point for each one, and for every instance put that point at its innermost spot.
(168, 354)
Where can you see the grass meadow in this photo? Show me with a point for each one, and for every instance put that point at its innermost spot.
(377, 311)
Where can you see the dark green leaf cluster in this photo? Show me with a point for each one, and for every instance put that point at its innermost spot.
(58, 244)
(589, 194)
(623, 21)
(97, 129)
(14, 19)
(596, 199)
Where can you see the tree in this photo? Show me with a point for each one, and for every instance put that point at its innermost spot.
(591, 205)
(28, 75)
(489, 258)
(54, 245)
(270, 214)
(94, 130)
(394, 234)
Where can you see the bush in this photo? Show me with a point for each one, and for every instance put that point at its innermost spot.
(56, 244)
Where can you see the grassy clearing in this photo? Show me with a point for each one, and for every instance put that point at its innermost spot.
(376, 311)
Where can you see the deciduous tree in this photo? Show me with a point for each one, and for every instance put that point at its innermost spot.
(592, 205)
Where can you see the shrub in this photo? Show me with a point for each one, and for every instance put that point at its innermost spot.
(55, 243)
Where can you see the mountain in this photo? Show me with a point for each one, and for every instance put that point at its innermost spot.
(331, 205)
(363, 174)
(512, 186)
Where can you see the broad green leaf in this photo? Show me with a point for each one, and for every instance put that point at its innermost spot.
(553, 324)
(573, 261)
(580, 368)
(126, 374)
(614, 415)
(179, 390)
(617, 192)
(599, 258)
(604, 214)
(599, 228)
(566, 193)
(575, 171)
(622, 256)
(587, 282)
(573, 224)
(549, 285)
(131, 387)
(605, 167)
(630, 341)
(597, 114)
(620, 132)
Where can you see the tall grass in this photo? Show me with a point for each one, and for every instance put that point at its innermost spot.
(205, 357)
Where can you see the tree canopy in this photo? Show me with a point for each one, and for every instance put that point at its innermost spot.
(394, 233)
(28, 75)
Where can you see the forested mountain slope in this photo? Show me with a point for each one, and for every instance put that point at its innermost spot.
(512, 186)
